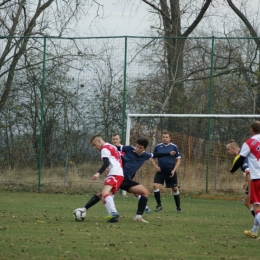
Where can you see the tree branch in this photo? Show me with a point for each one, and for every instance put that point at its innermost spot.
(198, 19)
(246, 22)
(159, 10)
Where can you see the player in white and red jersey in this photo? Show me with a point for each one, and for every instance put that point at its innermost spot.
(251, 150)
(112, 160)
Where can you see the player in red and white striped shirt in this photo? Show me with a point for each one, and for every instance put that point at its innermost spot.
(111, 160)
(251, 150)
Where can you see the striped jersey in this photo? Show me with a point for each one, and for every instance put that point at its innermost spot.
(115, 162)
(251, 150)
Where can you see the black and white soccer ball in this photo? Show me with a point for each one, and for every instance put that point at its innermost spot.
(79, 214)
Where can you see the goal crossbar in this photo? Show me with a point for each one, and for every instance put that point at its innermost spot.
(128, 121)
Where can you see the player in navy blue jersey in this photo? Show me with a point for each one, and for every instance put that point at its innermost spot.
(116, 141)
(232, 149)
(133, 159)
(166, 171)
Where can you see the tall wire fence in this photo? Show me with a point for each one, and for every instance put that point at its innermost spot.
(64, 90)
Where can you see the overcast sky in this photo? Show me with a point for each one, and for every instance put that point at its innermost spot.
(130, 19)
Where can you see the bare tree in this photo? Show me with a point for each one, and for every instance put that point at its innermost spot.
(255, 80)
(20, 21)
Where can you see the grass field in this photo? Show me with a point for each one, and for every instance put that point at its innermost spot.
(41, 226)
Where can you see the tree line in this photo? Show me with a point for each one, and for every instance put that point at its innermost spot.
(80, 84)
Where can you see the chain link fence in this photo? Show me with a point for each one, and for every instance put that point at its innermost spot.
(64, 90)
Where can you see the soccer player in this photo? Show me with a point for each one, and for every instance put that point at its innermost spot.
(233, 149)
(134, 158)
(116, 141)
(112, 160)
(166, 171)
(251, 150)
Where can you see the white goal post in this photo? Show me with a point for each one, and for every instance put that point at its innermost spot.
(220, 116)
(128, 121)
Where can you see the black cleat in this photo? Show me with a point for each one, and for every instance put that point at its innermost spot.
(158, 208)
(179, 210)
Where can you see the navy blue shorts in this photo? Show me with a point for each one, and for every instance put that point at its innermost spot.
(162, 177)
(127, 184)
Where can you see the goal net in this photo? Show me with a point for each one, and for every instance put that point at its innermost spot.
(201, 139)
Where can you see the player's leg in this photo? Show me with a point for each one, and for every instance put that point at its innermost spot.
(254, 199)
(158, 180)
(143, 192)
(136, 188)
(147, 209)
(93, 201)
(247, 202)
(172, 182)
(111, 185)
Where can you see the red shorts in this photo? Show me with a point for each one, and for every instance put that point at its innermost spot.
(255, 192)
(115, 181)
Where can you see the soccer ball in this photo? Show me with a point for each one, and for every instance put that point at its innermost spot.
(79, 214)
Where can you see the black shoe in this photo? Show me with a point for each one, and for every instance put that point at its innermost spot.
(112, 220)
(179, 210)
(158, 208)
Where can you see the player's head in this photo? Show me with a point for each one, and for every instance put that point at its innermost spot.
(116, 140)
(232, 148)
(255, 127)
(141, 145)
(97, 141)
(166, 138)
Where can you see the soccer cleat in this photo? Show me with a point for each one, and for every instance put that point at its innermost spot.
(140, 220)
(113, 220)
(147, 210)
(158, 208)
(179, 210)
(83, 209)
(113, 215)
(250, 233)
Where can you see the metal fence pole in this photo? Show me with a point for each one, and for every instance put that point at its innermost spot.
(124, 95)
(42, 112)
(209, 111)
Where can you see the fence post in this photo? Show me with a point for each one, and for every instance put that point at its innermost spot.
(216, 175)
(66, 169)
(42, 112)
(209, 109)
(124, 95)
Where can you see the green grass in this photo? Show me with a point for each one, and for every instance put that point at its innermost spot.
(41, 226)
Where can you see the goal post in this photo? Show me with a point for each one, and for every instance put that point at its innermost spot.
(129, 127)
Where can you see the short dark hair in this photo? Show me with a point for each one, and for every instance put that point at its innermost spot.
(142, 141)
(166, 133)
(255, 126)
(116, 134)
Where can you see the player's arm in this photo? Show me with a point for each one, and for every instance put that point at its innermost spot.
(159, 155)
(158, 169)
(237, 163)
(104, 165)
(156, 166)
(102, 168)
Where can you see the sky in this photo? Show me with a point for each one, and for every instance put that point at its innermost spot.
(117, 20)
(131, 19)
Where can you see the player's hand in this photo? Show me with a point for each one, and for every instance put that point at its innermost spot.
(172, 173)
(158, 169)
(95, 176)
(245, 185)
(172, 153)
(107, 170)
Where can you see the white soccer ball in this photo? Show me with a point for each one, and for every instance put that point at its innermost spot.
(79, 214)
